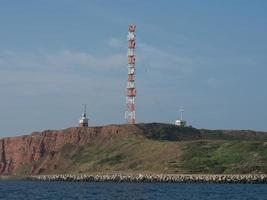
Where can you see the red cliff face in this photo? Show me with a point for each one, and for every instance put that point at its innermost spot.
(16, 152)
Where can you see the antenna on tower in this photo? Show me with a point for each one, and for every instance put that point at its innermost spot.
(84, 110)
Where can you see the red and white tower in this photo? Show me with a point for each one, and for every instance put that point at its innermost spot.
(130, 89)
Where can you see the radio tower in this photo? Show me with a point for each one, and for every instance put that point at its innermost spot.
(130, 89)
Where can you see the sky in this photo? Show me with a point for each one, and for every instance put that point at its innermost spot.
(207, 56)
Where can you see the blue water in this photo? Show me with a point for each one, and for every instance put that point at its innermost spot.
(141, 191)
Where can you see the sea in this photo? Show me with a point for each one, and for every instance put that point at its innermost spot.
(138, 191)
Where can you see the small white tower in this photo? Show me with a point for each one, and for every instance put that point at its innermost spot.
(180, 122)
(84, 120)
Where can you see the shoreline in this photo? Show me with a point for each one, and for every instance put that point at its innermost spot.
(156, 178)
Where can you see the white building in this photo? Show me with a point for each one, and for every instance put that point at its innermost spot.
(180, 122)
(84, 120)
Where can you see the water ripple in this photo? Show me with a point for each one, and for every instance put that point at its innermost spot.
(129, 191)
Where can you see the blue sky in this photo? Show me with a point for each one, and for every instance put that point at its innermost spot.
(208, 56)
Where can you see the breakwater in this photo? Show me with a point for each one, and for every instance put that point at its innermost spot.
(162, 178)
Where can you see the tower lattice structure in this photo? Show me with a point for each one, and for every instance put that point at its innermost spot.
(130, 89)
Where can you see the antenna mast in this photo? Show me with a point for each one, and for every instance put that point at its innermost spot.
(180, 122)
(181, 113)
(84, 110)
(130, 89)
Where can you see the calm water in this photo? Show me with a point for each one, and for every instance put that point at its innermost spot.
(67, 190)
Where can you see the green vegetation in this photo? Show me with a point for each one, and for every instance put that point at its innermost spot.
(162, 148)
(224, 157)
(242, 135)
(169, 132)
(134, 153)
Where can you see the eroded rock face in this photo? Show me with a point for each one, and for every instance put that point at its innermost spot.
(43, 152)
(18, 151)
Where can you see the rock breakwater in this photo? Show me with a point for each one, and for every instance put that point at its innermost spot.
(162, 178)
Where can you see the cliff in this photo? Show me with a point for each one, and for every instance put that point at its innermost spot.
(143, 147)
(16, 152)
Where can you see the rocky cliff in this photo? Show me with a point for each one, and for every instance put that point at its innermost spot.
(160, 148)
(16, 152)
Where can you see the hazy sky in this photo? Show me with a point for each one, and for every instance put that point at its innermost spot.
(208, 56)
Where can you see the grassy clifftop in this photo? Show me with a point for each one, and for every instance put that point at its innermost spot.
(164, 148)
